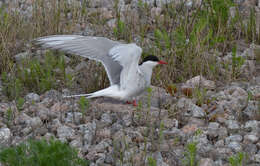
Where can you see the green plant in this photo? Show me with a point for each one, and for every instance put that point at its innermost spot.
(162, 39)
(138, 111)
(83, 105)
(176, 141)
(148, 109)
(251, 26)
(41, 153)
(200, 95)
(120, 30)
(31, 75)
(68, 80)
(9, 116)
(60, 63)
(250, 96)
(184, 40)
(151, 161)
(237, 62)
(121, 147)
(19, 103)
(198, 132)
(149, 96)
(83, 10)
(7, 25)
(237, 160)
(12, 86)
(190, 154)
(161, 136)
(47, 17)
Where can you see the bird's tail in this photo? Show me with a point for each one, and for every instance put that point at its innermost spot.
(108, 92)
(89, 95)
(80, 95)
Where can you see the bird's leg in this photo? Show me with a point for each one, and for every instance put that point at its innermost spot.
(134, 103)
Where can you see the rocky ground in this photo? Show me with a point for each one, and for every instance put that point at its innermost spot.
(221, 119)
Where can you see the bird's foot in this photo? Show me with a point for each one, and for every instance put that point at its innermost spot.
(133, 102)
(128, 102)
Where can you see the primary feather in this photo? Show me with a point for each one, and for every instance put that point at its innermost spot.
(95, 48)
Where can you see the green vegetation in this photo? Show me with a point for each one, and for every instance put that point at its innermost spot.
(161, 129)
(190, 154)
(9, 117)
(120, 30)
(198, 132)
(20, 103)
(35, 76)
(188, 39)
(238, 159)
(83, 105)
(151, 161)
(41, 153)
(149, 97)
(12, 86)
(237, 63)
(200, 95)
(47, 17)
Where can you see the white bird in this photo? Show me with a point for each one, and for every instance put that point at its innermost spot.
(127, 78)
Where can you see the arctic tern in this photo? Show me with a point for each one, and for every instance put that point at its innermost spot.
(127, 78)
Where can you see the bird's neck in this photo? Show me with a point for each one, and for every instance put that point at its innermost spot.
(147, 71)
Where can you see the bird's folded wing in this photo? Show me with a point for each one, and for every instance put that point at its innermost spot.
(127, 55)
(96, 48)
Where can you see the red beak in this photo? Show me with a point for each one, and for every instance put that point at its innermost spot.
(162, 62)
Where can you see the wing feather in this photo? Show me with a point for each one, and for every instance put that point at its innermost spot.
(95, 48)
(127, 55)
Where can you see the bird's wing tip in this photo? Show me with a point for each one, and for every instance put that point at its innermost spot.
(80, 95)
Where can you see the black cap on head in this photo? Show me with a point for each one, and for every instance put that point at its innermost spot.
(150, 58)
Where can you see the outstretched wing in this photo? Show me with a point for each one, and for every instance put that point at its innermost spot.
(95, 48)
(127, 55)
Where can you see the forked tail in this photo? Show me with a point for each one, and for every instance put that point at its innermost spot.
(111, 91)
(80, 95)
